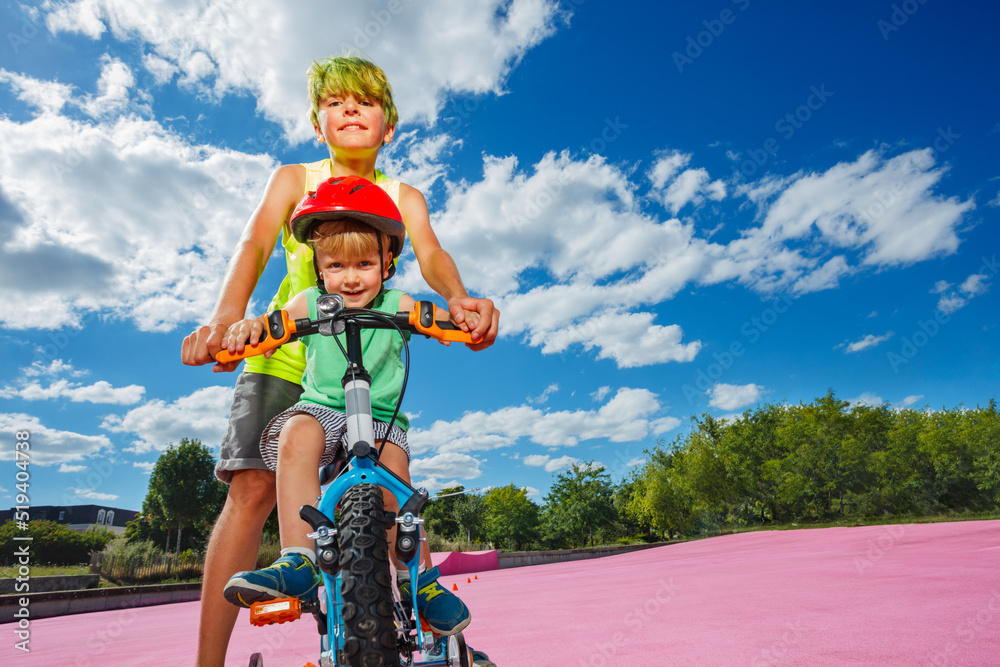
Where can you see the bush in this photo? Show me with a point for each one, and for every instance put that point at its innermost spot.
(120, 547)
(439, 544)
(269, 552)
(52, 543)
(142, 562)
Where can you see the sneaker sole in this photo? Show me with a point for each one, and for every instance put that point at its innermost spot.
(454, 631)
(243, 594)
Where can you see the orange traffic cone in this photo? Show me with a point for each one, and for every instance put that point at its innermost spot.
(468, 581)
(454, 587)
(476, 576)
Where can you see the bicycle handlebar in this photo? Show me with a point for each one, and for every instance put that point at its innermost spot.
(281, 328)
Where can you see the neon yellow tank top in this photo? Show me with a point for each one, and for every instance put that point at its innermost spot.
(289, 362)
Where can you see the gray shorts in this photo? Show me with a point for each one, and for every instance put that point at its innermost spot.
(258, 398)
(334, 425)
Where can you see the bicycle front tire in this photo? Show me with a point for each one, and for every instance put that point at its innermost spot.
(366, 584)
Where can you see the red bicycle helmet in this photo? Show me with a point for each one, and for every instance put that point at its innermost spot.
(355, 198)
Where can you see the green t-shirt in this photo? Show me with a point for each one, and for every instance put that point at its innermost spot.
(381, 351)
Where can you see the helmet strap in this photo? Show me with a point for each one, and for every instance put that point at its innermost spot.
(319, 278)
(381, 257)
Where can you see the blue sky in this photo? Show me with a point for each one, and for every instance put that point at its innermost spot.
(680, 210)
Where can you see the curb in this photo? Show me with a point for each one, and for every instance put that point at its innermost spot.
(61, 603)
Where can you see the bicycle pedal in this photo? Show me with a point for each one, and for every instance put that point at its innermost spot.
(270, 612)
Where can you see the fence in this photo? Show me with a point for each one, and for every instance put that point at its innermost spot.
(150, 569)
(145, 569)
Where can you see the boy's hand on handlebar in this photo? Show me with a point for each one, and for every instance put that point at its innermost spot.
(243, 333)
(201, 345)
(477, 316)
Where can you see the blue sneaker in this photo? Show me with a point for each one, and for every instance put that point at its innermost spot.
(444, 612)
(291, 576)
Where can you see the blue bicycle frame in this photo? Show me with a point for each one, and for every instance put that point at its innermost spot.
(362, 469)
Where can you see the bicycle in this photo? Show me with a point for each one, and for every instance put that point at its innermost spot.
(360, 617)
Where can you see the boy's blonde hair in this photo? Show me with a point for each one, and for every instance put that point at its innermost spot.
(347, 238)
(349, 74)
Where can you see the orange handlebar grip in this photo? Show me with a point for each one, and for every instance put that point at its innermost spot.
(424, 318)
(280, 329)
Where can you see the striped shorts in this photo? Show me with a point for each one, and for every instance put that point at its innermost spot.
(334, 424)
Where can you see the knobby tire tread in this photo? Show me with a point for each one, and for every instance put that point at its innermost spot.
(366, 584)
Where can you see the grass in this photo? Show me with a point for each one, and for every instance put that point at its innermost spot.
(9, 572)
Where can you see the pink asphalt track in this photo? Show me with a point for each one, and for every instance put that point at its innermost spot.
(883, 595)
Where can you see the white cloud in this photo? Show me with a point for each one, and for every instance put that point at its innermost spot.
(30, 389)
(560, 463)
(46, 96)
(870, 340)
(536, 460)
(692, 186)
(50, 446)
(145, 466)
(417, 161)
(630, 415)
(630, 339)
(90, 494)
(142, 227)
(607, 263)
(113, 89)
(446, 464)
(867, 398)
(950, 303)
(882, 208)
(601, 393)
(954, 299)
(668, 164)
(65, 467)
(734, 397)
(99, 392)
(544, 396)
(579, 222)
(975, 285)
(202, 415)
(55, 367)
(429, 49)
(664, 424)
(908, 401)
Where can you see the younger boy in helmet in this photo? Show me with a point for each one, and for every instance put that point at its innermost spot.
(354, 231)
(353, 114)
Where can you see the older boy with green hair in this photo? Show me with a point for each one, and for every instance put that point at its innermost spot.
(352, 111)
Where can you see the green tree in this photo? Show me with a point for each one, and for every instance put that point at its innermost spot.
(823, 463)
(183, 492)
(661, 496)
(511, 518)
(470, 515)
(439, 514)
(624, 497)
(984, 435)
(580, 503)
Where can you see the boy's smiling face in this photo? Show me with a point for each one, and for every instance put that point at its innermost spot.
(349, 123)
(358, 280)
